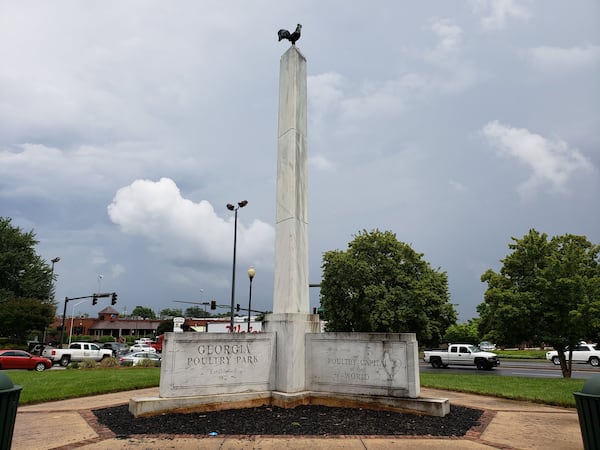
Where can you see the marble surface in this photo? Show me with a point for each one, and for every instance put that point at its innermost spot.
(216, 363)
(363, 363)
(290, 293)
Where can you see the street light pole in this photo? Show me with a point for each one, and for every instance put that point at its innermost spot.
(251, 273)
(72, 317)
(50, 292)
(230, 207)
(53, 261)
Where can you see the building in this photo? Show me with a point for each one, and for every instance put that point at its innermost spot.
(109, 323)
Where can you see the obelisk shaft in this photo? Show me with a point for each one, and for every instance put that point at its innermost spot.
(291, 223)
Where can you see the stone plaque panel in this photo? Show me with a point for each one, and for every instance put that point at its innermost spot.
(216, 363)
(363, 363)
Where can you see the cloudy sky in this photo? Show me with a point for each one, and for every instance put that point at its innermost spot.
(127, 126)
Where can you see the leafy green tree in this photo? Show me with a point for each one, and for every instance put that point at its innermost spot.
(143, 312)
(548, 290)
(26, 288)
(167, 312)
(196, 311)
(164, 327)
(463, 332)
(260, 317)
(382, 285)
(23, 273)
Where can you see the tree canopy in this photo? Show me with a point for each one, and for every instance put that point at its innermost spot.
(143, 312)
(26, 284)
(467, 333)
(548, 290)
(382, 285)
(171, 312)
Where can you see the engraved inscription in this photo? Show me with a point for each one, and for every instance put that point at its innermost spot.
(353, 369)
(222, 355)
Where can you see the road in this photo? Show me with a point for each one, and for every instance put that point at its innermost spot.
(539, 369)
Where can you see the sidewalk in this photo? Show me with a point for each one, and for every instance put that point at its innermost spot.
(508, 424)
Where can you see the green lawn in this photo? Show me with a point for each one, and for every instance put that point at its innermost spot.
(521, 354)
(550, 391)
(63, 384)
(39, 387)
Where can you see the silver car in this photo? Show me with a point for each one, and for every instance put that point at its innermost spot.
(487, 346)
(137, 357)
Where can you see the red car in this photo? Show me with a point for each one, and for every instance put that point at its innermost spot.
(19, 359)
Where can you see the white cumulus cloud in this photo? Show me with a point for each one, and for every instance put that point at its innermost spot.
(551, 161)
(183, 231)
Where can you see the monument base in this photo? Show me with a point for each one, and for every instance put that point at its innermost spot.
(289, 366)
(149, 406)
(291, 330)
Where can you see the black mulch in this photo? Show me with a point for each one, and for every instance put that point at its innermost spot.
(310, 420)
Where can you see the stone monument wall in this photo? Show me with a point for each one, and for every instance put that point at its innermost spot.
(216, 363)
(363, 363)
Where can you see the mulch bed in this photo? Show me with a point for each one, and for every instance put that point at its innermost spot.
(309, 420)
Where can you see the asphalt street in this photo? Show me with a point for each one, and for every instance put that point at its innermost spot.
(543, 369)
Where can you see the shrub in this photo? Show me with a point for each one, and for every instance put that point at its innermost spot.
(148, 363)
(88, 364)
(73, 365)
(109, 362)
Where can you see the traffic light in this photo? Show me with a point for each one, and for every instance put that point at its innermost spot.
(94, 299)
(213, 304)
(114, 298)
(237, 307)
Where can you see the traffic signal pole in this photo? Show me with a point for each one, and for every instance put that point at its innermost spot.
(94, 297)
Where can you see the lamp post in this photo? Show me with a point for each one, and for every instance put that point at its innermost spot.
(72, 316)
(251, 273)
(230, 207)
(53, 261)
(50, 294)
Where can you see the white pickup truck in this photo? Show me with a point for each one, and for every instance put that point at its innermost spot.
(461, 355)
(583, 353)
(77, 351)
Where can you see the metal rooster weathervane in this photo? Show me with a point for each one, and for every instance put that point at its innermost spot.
(292, 37)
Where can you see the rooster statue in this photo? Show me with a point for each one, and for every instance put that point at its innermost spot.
(292, 37)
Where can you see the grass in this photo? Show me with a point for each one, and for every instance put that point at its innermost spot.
(521, 354)
(50, 385)
(64, 384)
(549, 391)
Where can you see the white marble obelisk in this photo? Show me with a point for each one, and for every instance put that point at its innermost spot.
(291, 319)
(291, 221)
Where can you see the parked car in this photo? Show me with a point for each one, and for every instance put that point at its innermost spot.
(461, 355)
(584, 353)
(19, 359)
(116, 347)
(137, 357)
(143, 340)
(77, 352)
(142, 348)
(487, 346)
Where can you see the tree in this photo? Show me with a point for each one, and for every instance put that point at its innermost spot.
(382, 285)
(196, 311)
(260, 317)
(23, 273)
(143, 312)
(164, 327)
(167, 312)
(548, 290)
(463, 332)
(26, 285)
